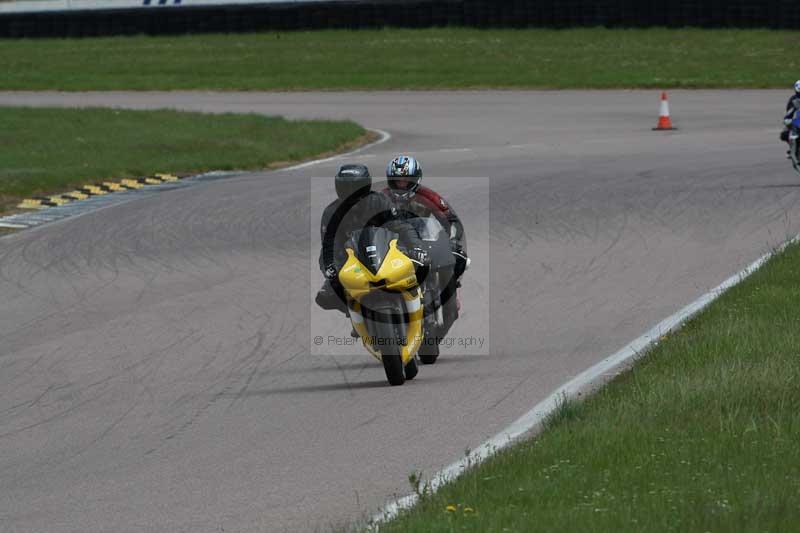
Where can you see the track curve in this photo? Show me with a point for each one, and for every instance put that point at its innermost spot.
(154, 355)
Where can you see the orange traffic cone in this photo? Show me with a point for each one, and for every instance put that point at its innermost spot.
(664, 122)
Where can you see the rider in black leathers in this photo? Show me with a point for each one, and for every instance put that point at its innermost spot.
(356, 207)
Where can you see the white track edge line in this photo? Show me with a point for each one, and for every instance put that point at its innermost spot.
(572, 389)
(385, 136)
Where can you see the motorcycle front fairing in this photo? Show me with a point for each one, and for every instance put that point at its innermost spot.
(435, 238)
(384, 298)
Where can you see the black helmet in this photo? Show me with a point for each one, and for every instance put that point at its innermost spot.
(404, 174)
(352, 180)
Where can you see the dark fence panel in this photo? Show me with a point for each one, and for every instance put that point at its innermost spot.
(413, 14)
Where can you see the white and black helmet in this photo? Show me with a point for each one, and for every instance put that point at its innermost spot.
(404, 175)
(797, 86)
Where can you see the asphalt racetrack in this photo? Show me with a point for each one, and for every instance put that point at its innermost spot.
(156, 369)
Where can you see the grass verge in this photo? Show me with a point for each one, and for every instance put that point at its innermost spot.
(53, 150)
(457, 58)
(702, 435)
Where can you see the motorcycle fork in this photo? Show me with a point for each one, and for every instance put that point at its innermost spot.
(793, 147)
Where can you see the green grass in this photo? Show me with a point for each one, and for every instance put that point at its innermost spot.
(702, 435)
(408, 59)
(51, 150)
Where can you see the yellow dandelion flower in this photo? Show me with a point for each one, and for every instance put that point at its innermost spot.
(450, 508)
(468, 510)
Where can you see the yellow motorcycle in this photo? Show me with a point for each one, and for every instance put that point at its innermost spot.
(384, 300)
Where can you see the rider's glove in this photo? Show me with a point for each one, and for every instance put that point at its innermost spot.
(462, 262)
(787, 122)
(419, 256)
(330, 272)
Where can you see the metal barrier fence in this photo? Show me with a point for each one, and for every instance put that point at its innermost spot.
(153, 18)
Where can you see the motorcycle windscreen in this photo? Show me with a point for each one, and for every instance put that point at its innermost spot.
(372, 247)
(436, 240)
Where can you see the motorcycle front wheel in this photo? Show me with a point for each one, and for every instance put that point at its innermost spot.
(411, 369)
(393, 365)
(428, 352)
(385, 323)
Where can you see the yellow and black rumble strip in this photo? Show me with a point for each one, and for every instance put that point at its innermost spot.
(87, 191)
(41, 209)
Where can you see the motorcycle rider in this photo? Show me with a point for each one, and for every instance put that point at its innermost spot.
(356, 207)
(413, 200)
(792, 107)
